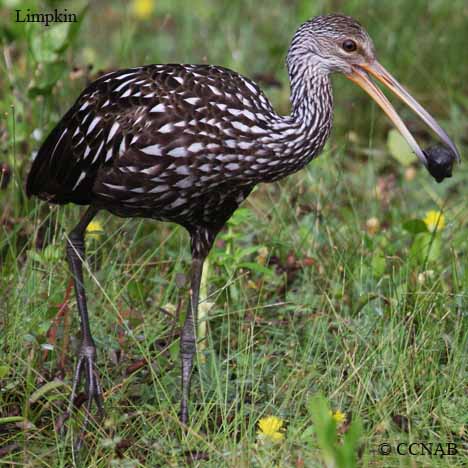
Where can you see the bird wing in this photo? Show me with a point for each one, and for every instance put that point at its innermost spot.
(143, 119)
(89, 136)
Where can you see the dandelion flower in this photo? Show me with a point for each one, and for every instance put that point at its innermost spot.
(94, 230)
(142, 9)
(270, 428)
(435, 221)
(338, 416)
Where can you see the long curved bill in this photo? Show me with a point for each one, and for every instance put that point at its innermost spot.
(360, 76)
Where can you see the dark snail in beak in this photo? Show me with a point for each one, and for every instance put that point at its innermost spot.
(440, 160)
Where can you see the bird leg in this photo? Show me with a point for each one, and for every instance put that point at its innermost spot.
(188, 337)
(87, 353)
(201, 244)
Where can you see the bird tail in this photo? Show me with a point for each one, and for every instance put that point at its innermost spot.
(52, 176)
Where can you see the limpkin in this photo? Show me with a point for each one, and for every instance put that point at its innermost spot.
(187, 144)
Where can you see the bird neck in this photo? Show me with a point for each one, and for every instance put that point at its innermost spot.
(300, 136)
(311, 97)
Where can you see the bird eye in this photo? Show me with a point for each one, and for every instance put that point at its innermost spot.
(349, 45)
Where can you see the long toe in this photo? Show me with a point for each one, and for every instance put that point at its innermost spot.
(86, 367)
(93, 394)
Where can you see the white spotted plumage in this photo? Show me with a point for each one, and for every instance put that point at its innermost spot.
(154, 136)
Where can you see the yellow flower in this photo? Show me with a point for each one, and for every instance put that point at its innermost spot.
(94, 230)
(271, 428)
(142, 9)
(435, 220)
(338, 416)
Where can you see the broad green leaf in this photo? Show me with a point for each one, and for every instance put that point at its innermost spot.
(135, 290)
(240, 216)
(256, 267)
(378, 264)
(42, 42)
(399, 148)
(48, 77)
(425, 247)
(52, 253)
(4, 370)
(34, 255)
(46, 43)
(415, 226)
(347, 452)
(74, 28)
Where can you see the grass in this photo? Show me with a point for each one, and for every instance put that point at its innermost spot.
(304, 298)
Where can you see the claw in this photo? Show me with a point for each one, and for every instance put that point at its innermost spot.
(85, 365)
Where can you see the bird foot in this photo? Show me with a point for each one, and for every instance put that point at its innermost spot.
(86, 365)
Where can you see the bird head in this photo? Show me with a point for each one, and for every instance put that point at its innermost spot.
(338, 43)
